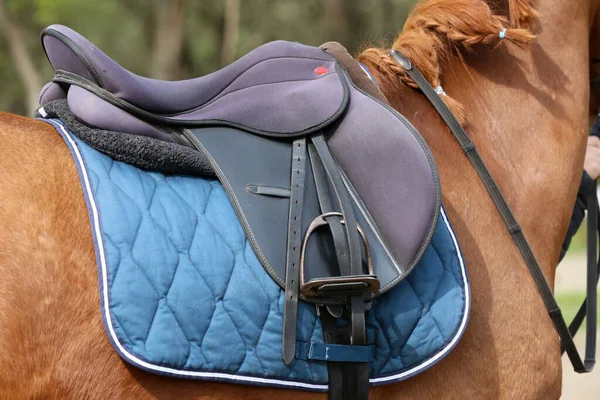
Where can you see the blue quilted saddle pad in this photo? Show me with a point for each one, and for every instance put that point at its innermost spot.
(183, 294)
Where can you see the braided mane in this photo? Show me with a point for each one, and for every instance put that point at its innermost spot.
(438, 29)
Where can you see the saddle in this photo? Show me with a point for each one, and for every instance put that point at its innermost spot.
(337, 193)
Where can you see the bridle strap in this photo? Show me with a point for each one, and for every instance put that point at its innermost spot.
(507, 216)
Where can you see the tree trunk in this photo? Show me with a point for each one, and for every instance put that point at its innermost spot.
(336, 19)
(168, 39)
(15, 37)
(230, 31)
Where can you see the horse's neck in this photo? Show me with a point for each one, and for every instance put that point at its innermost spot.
(527, 112)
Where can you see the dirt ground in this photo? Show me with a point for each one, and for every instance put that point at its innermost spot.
(571, 277)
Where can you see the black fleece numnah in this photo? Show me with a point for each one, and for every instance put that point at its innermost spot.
(140, 151)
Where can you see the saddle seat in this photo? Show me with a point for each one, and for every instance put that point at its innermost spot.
(298, 83)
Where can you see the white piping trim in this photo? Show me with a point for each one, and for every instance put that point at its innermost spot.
(463, 323)
(241, 378)
(124, 352)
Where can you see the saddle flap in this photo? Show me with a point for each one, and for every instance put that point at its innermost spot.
(255, 172)
(385, 166)
(393, 175)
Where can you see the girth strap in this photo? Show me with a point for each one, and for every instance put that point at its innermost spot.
(349, 374)
(292, 273)
(347, 380)
(509, 220)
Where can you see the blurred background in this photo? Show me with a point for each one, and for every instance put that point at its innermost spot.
(181, 39)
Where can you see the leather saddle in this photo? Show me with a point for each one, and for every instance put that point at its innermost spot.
(337, 193)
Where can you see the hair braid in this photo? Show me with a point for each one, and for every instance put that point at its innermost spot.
(438, 29)
(522, 14)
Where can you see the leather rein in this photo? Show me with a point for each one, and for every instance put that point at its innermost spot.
(588, 309)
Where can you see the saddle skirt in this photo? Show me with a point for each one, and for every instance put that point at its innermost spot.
(183, 293)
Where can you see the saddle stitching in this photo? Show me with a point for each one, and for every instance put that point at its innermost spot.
(74, 48)
(217, 95)
(239, 211)
(436, 180)
(389, 252)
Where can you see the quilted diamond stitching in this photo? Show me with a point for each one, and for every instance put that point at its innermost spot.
(312, 371)
(147, 212)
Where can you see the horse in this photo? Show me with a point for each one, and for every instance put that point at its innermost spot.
(517, 77)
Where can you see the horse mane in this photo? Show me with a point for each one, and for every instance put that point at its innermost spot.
(437, 30)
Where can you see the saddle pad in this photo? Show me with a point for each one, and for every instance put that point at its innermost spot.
(183, 294)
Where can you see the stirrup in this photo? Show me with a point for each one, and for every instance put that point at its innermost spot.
(338, 286)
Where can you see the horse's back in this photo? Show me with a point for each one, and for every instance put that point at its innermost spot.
(46, 263)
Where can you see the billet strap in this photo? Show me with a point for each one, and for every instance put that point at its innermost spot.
(505, 212)
(292, 272)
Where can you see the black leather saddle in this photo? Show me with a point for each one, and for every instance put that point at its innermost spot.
(337, 193)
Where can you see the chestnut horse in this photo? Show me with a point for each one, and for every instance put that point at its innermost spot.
(526, 100)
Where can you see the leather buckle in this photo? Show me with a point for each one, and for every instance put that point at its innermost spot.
(338, 286)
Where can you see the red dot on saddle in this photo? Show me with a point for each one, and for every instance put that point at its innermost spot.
(321, 70)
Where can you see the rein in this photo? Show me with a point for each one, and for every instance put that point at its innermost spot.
(588, 308)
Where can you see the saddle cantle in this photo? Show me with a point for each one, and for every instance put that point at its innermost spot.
(299, 149)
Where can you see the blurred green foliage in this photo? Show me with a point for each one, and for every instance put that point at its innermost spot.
(579, 241)
(125, 30)
(569, 303)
